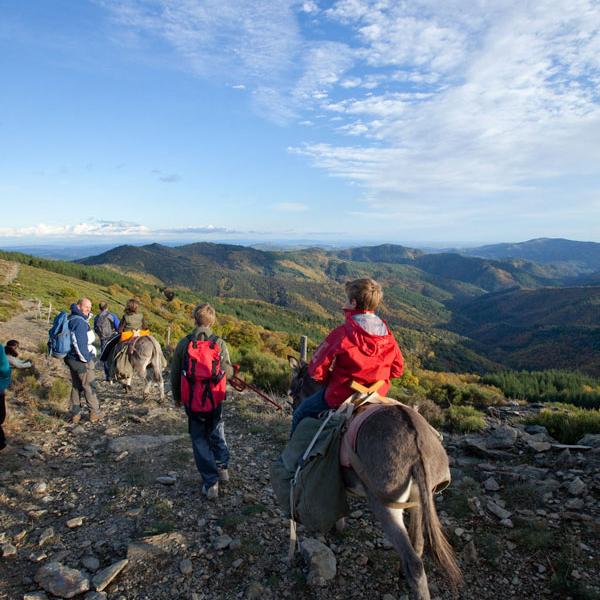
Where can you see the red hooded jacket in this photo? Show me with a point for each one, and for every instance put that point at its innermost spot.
(349, 353)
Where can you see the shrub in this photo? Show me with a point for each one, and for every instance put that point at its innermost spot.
(464, 419)
(58, 390)
(568, 423)
(429, 409)
(266, 371)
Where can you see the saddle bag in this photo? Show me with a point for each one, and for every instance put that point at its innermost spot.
(307, 478)
(203, 385)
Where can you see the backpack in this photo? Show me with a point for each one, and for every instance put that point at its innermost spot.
(203, 384)
(59, 336)
(104, 326)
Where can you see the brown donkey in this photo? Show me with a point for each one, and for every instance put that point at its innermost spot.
(400, 459)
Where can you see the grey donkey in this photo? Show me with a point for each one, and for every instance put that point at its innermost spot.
(400, 459)
(148, 361)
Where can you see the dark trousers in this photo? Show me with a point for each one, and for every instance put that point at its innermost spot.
(208, 443)
(312, 406)
(106, 363)
(2, 418)
(82, 378)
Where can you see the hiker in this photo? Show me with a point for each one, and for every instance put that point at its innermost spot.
(5, 372)
(12, 353)
(362, 349)
(132, 323)
(106, 324)
(80, 360)
(199, 369)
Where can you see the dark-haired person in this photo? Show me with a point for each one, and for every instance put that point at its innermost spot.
(12, 353)
(206, 427)
(132, 323)
(362, 349)
(106, 324)
(5, 372)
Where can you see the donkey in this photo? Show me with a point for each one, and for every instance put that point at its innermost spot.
(147, 360)
(401, 459)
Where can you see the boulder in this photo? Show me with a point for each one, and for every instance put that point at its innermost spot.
(62, 581)
(501, 437)
(321, 560)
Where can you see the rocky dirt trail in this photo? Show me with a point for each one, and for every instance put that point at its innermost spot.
(114, 510)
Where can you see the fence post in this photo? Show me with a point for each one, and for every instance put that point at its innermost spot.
(39, 309)
(303, 347)
(168, 336)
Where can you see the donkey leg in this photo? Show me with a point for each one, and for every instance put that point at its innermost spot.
(415, 527)
(411, 565)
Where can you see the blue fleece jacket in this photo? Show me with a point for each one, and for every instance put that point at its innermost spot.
(5, 370)
(78, 326)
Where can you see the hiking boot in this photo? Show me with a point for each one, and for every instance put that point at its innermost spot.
(75, 419)
(212, 492)
(223, 475)
(94, 417)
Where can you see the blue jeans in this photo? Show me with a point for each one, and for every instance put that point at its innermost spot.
(208, 442)
(312, 406)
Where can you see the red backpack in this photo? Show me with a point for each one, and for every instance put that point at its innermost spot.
(203, 384)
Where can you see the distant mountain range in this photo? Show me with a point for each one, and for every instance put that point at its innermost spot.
(454, 311)
(572, 256)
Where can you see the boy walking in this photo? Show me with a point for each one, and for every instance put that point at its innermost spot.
(362, 349)
(199, 370)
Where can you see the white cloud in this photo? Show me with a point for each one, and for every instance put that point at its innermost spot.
(105, 229)
(290, 207)
(448, 104)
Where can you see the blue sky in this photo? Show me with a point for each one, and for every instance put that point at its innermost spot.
(391, 121)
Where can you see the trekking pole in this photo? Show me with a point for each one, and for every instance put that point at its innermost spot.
(237, 383)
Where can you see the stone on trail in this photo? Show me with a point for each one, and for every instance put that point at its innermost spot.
(46, 536)
(35, 596)
(91, 563)
(140, 443)
(491, 485)
(62, 581)
(75, 522)
(222, 542)
(500, 512)
(153, 546)
(185, 566)
(95, 596)
(104, 577)
(8, 551)
(577, 487)
(501, 437)
(166, 480)
(590, 439)
(321, 560)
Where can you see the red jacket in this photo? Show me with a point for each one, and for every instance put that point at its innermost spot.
(349, 353)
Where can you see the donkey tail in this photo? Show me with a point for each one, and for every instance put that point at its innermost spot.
(434, 534)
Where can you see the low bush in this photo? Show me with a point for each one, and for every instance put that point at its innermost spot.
(567, 423)
(464, 419)
(58, 390)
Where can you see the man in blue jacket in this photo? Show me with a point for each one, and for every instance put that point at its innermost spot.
(80, 361)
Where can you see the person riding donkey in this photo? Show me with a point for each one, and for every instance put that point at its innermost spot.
(362, 350)
(133, 323)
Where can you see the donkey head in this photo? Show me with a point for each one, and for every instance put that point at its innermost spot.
(302, 385)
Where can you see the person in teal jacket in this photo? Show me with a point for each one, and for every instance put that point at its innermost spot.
(5, 372)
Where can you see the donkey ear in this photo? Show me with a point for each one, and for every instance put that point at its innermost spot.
(294, 363)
